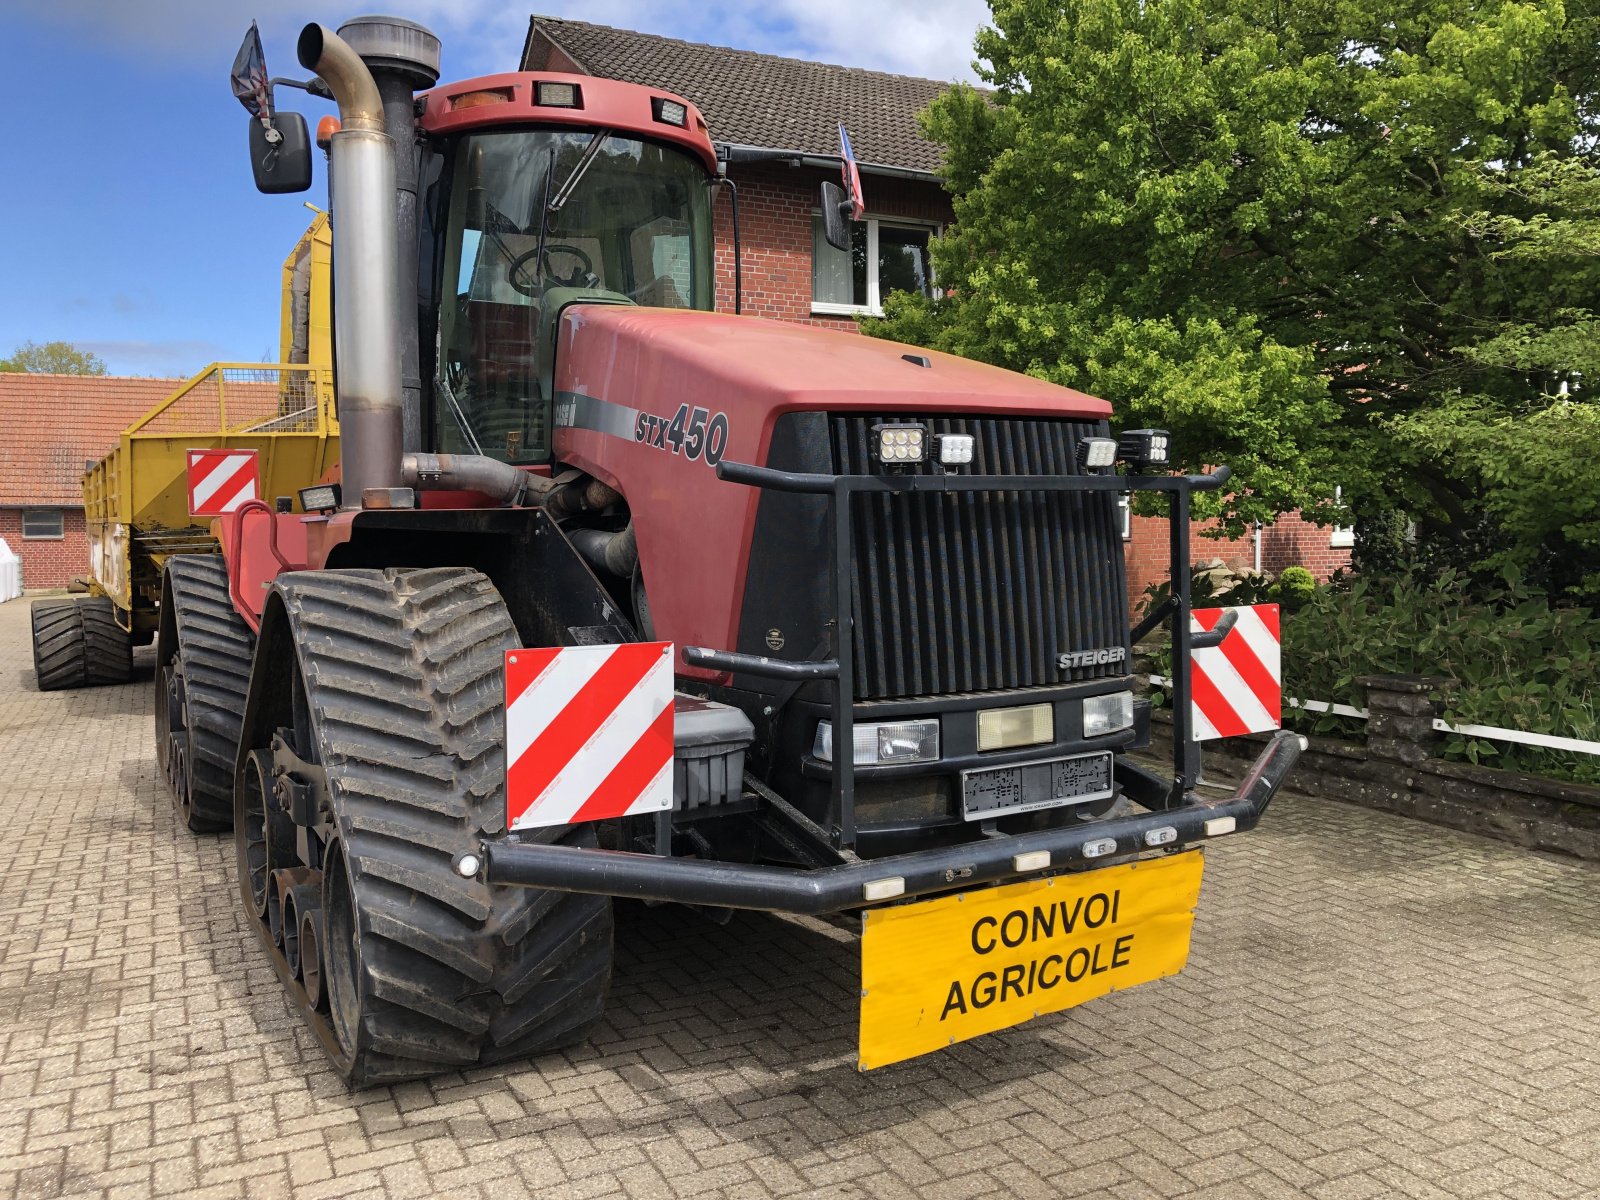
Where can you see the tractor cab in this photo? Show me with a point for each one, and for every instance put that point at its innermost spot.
(523, 221)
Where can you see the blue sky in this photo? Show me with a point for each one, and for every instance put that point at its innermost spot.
(133, 229)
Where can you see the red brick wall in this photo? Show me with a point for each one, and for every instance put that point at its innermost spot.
(1291, 541)
(775, 205)
(48, 563)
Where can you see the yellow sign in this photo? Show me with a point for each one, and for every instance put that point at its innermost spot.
(942, 971)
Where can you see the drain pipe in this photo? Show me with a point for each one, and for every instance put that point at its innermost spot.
(366, 316)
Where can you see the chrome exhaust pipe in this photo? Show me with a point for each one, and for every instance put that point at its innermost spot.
(366, 270)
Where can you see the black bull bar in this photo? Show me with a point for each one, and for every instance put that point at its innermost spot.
(510, 861)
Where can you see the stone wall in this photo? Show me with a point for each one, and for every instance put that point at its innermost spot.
(1397, 770)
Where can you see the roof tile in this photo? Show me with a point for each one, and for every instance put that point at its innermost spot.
(51, 425)
(755, 99)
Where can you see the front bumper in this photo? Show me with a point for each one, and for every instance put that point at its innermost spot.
(509, 861)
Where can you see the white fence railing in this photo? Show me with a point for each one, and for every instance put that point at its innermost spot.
(1493, 733)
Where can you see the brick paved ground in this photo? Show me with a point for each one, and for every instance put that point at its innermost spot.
(1373, 1008)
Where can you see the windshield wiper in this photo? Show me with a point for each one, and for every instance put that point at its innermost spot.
(553, 204)
(564, 193)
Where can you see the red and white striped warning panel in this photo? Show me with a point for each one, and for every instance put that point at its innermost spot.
(1238, 686)
(588, 733)
(221, 480)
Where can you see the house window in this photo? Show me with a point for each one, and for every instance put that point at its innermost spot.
(43, 524)
(884, 257)
(1125, 514)
(1343, 536)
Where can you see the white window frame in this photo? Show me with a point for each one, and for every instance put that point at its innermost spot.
(1343, 537)
(874, 305)
(60, 515)
(1125, 508)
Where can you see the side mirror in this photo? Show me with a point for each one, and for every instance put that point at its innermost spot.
(834, 226)
(283, 165)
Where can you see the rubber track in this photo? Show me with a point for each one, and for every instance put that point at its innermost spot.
(215, 646)
(404, 676)
(57, 644)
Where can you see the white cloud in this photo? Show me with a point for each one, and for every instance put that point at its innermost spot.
(175, 357)
(930, 37)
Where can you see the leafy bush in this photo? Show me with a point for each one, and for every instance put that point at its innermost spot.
(1294, 588)
(1513, 661)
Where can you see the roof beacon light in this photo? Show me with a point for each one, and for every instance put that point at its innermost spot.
(670, 112)
(559, 95)
(480, 99)
(1144, 448)
(899, 445)
(1096, 452)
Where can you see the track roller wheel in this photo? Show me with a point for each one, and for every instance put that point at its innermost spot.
(398, 705)
(203, 656)
(299, 902)
(311, 959)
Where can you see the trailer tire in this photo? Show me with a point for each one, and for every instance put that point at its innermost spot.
(203, 653)
(402, 678)
(107, 647)
(58, 659)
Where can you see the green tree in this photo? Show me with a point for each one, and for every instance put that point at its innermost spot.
(1249, 222)
(53, 358)
(1529, 447)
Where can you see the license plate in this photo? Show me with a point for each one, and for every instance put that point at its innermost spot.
(941, 971)
(1024, 787)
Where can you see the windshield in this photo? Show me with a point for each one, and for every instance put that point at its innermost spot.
(635, 228)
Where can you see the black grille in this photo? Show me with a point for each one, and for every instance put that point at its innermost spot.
(981, 591)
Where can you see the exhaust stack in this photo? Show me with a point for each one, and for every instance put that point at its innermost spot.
(366, 311)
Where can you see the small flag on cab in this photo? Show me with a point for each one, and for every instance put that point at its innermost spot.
(852, 176)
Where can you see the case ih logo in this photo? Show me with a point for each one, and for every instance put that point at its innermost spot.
(221, 480)
(588, 733)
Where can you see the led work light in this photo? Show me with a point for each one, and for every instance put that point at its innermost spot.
(900, 444)
(955, 449)
(322, 498)
(1142, 448)
(670, 112)
(559, 95)
(1096, 452)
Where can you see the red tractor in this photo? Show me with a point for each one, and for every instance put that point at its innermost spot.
(880, 589)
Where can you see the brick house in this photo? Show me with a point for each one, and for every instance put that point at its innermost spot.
(778, 119)
(779, 154)
(50, 427)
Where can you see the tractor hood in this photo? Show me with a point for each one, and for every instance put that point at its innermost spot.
(763, 368)
(650, 400)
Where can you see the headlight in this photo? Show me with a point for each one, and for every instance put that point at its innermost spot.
(1107, 714)
(886, 742)
(1001, 728)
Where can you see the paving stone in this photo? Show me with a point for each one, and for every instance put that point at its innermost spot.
(1373, 1007)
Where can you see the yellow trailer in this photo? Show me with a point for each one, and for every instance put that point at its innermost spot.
(136, 500)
